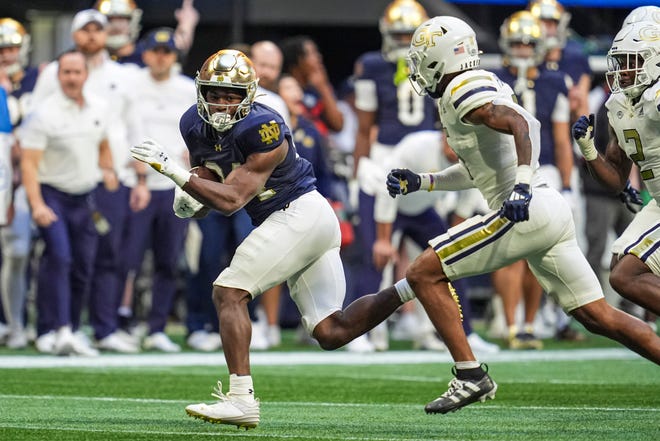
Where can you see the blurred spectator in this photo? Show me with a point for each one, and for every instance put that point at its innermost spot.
(18, 80)
(124, 18)
(113, 82)
(64, 145)
(267, 59)
(563, 53)
(304, 62)
(385, 101)
(161, 97)
(543, 93)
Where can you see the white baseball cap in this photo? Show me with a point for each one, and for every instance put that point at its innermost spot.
(86, 16)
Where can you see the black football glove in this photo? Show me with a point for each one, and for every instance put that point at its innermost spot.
(516, 208)
(631, 199)
(402, 181)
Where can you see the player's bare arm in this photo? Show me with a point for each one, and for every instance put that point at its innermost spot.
(241, 185)
(366, 121)
(563, 151)
(507, 120)
(612, 169)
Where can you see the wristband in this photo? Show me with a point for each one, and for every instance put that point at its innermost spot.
(524, 174)
(178, 174)
(426, 181)
(588, 149)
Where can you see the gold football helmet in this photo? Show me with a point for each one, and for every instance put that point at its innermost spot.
(227, 69)
(522, 27)
(398, 23)
(13, 34)
(120, 35)
(552, 10)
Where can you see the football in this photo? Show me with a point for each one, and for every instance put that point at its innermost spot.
(205, 173)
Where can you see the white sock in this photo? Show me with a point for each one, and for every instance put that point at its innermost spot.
(241, 386)
(467, 364)
(404, 290)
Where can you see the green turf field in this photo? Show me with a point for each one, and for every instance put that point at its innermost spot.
(556, 394)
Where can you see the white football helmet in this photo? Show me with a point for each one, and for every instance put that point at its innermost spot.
(440, 46)
(633, 61)
(552, 10)
(400, 19)
(522, 27)
(227, 68)
(643, 13)
(13, 34)
(119, 37)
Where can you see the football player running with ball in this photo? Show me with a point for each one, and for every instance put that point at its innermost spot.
(633, 111)
(498, 144)
(297, 235)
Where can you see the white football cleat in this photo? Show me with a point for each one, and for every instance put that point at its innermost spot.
(230, 409)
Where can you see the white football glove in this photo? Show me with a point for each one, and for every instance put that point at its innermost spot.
(153, 154)
(185, 206)
(583, 132)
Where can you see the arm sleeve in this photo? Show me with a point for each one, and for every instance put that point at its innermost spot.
(385, 207)
(365, 95)
(454, 177)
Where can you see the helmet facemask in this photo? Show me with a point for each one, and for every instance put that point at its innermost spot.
(424, 80)
(633, 62)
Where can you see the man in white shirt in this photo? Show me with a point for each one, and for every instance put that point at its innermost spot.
(65, 152)
(112, 82)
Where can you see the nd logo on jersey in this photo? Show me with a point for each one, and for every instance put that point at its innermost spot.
(427, 37)
(270, 132)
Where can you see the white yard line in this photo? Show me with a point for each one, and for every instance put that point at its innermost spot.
(305, 358)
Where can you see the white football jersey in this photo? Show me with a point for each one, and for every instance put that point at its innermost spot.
(489, 156)
(637, 129)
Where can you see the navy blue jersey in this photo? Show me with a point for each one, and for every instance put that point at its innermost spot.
(400, 109)
(540, 99)
(309, 145)
(134, 57)
(27, 82)
(573, 62)
(261, 131)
